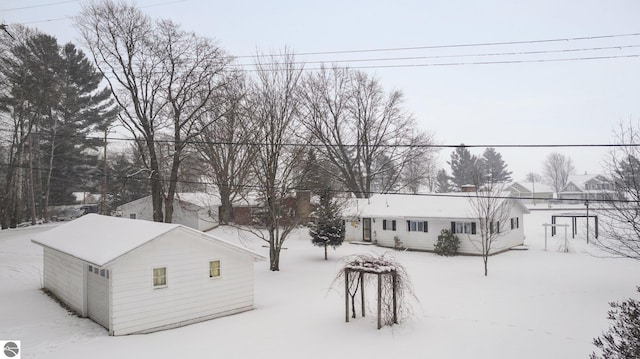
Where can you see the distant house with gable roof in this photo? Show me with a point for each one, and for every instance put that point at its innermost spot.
(580, 188)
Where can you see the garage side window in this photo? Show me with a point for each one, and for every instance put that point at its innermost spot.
(160, 277)
(214, 269)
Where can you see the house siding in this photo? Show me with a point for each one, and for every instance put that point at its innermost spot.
(425, 241)
(64, 276)
(190, 295)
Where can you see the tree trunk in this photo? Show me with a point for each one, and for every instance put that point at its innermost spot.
(32, 192)
(47, 189)
(274, 252)
(156, 182)
(226, 209)
(103, 199)
(325, 252)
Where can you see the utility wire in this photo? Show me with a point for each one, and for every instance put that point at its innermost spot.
(307, 144)
(450, 46)
(342, 191)
(40, 5)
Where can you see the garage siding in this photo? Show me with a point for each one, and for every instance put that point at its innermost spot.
(190, 295)
(64, 276)
(98, 297)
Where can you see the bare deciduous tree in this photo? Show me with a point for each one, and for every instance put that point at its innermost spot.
(557, 169)
(361, 130)
(275, 106)
(227, 145)
(621, 213)
(492, 213)
(161, 77)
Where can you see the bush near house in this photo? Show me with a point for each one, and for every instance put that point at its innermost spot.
(447, 244)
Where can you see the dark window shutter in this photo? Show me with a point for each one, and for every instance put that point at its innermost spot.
(517, 222)
(408, 226)
(426, 226)
(453, 227)
(473, 227)
(384, 224)
(393, 225)
(490, 227)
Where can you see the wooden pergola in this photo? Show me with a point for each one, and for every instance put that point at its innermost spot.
(362, 269)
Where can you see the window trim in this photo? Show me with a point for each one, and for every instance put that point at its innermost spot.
(153, 278)
(219, 269)
(415, 223)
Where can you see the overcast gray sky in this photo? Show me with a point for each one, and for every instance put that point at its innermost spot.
(539, 101)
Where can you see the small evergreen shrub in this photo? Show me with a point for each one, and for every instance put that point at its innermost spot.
(447, 244)
(622, 340)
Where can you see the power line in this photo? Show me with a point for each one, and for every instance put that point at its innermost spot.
(479, 44)
(37, 6)
(471, 195)
(308, 144)
(455, 56)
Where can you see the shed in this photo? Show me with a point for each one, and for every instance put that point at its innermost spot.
(139, 276)
(415, 221)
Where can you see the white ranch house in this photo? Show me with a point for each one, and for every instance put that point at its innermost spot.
(195, 210)
(416, 221)
(141, 276)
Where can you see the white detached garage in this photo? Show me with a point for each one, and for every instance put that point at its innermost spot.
(139, 276)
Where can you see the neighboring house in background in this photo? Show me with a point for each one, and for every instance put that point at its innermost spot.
(195, 210)
(202, 210)
(414, 222)
(141, 276)
(530, 192)
(580, 188)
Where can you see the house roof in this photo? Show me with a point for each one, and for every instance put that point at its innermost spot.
(529, 186)
(99, 239)
(415, 206)
(580, 181)
(202, 199)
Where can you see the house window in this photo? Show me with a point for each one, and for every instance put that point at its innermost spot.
(90, 269)
(494, 227)
(417, 226)
(463, 227)
(160, 277)
(515, 222)
(214, 269)
(132, 215)
(388, 225)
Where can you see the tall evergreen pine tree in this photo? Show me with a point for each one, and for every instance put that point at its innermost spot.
(327, 228)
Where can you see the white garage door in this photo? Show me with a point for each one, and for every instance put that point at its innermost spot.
(98, 296)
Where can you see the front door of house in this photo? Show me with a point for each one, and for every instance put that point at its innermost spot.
(366, 229)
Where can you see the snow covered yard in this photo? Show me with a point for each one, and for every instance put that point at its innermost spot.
(533, 304)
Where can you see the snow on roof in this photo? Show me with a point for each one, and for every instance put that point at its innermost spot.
(99, 239)
(538, 186)
(420, 206)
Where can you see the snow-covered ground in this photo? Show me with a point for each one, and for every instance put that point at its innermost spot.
(533, 304)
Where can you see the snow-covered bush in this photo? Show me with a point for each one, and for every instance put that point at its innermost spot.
(622, 340)
(447, 244)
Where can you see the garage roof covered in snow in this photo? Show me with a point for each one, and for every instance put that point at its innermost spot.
(99, 239)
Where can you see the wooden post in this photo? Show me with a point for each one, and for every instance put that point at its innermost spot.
(394, 276)
(379, 301)
(362, 292)
(346, 294)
